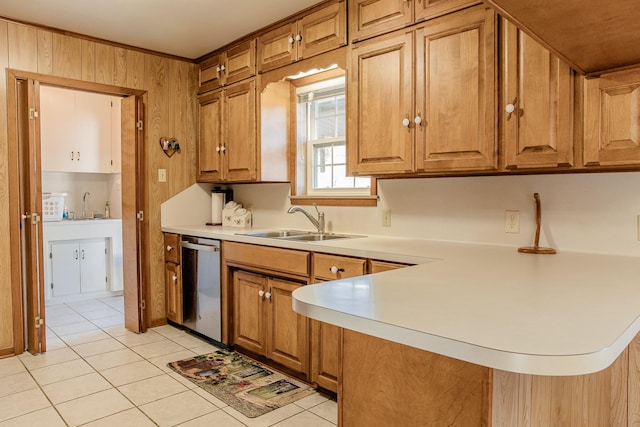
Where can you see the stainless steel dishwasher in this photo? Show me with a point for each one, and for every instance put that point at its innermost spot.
(201, 286)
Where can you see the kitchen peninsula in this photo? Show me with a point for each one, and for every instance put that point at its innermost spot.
(485, 335)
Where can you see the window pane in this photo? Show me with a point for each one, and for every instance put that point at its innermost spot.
(326, 127)
(339, 152)
(362, 182)
(322, 177)
(325, 107)
(322, 155)
(340, 179)
(340, 104)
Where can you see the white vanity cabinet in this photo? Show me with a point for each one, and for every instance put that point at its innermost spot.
(77, 131)
(82, 258)
(78, 266)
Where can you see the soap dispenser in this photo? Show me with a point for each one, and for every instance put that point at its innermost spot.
(107, 213)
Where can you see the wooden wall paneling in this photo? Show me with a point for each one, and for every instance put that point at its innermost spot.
(7, 314)
(192, 117)
(23, 47)
(89, 61)
(633, 384)
(67, 56)
(119, 66)
(45, 52)
(178, 175)
(135, 69)
(104, 63)
(157, 75)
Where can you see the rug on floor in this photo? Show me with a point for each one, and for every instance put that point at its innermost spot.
(244, 384)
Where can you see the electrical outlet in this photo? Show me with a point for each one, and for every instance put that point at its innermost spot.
(162, 175)
(386, 218)
(512, 222)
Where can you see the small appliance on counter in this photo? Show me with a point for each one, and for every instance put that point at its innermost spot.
(219, 198)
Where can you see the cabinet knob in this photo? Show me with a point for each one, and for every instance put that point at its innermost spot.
(510, 108)
(217, 148)
(261, 293)
(298, 37)
(223, 148)
(291, 40)
(335, 269)
(268, 295)
(169, 248)
(418, 120)
(222, 68)
(218, 69)
(174, 278)
(406, 122)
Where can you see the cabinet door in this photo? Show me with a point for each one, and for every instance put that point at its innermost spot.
(456, 92)
(326, 348)
(240, 62)
(429, 9)
(211, 75)
(240, 134)
(380, 98)
(539, 133)
(368, 18)
(287, 336)
(611, 119)
(249, 322)
(173, 286)
(57, 129)
(93, 132)
(322, 31)
(277, 47)
(210, 137)
(93, 265)
(65, 268)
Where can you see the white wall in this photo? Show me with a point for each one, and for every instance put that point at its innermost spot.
(580, 212)
(102, 187)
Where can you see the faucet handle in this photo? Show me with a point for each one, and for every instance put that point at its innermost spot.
(315, 205)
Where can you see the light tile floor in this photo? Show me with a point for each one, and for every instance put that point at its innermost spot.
(96, 373)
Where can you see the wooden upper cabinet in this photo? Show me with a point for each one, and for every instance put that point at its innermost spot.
(538, 86)
(368, 18)
(455, 112)
(233, 65)
(313, 34)
(209, 137)
(380, 97)
(612, 119)
(227, 143)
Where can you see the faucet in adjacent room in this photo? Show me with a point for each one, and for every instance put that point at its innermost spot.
(317, 223)
(84, 204)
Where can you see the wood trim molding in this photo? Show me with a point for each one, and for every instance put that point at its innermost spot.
(335, 200)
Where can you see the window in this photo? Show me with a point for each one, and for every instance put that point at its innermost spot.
(321, 150)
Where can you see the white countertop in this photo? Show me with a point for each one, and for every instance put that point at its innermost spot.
(564, 314)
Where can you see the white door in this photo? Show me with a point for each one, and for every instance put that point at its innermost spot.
(93, 132)
(65, 268)
(57, 127)
(93, 265)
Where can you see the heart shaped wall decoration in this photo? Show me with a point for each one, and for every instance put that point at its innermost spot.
(169, 145)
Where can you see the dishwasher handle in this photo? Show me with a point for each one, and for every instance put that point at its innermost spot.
(198, 247)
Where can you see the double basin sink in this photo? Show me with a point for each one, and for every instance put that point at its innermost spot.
(297, 235)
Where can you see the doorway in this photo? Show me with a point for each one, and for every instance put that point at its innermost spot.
(23, 96)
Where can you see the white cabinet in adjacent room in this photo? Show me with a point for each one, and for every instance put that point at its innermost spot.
(76, 130)
(78, 266)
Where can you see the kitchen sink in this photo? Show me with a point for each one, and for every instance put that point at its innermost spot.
(297, 235)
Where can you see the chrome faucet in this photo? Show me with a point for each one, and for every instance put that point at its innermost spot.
(84, 204)
(317, 223)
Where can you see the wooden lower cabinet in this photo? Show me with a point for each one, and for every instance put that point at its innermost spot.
(173, 286)
(326, 349)
(264, 320)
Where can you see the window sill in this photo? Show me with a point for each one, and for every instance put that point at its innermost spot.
(335, 200)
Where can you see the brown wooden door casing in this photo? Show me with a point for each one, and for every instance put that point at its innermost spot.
(539, 133)
(456, 92)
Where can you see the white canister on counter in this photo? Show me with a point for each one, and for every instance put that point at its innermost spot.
(242, 218)
(228, 213)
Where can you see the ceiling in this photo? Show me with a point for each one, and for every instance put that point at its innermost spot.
(185, 28)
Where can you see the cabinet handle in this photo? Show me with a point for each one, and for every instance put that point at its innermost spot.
(217, 149)
(510, 108)
(406, 122)
(268, 295)
(76, 257)
(261, 293)
(222, 68)
(218, 69)
(72, 156)
(83, 254)
(298, 37)
(169, 248)
(174, 278)
(335, 269)
(78, 155)
(223, 148)
(291, 40)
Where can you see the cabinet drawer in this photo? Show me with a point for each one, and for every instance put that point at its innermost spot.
(172, 248)
(376, 266)
(344, 267)
(274, 259)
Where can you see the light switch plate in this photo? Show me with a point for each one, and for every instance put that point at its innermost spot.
(162, 175)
